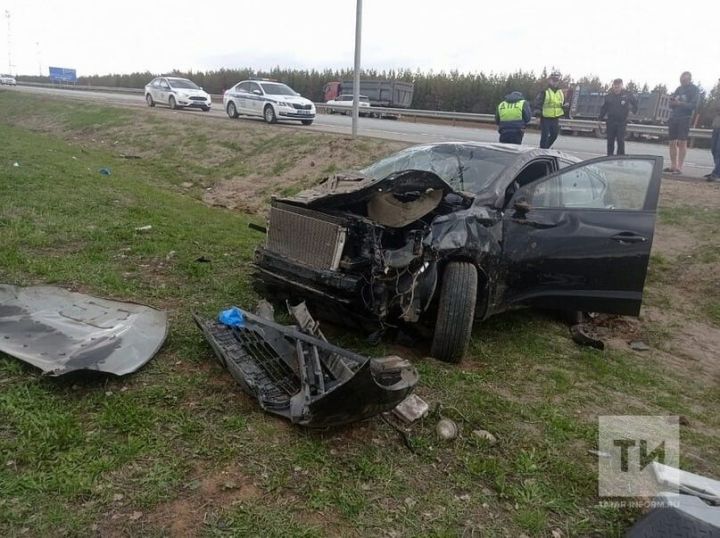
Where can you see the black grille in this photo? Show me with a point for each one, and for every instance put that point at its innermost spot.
(197, 98)
(301, 107)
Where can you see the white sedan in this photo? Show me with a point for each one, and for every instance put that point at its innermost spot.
(177, 93)
(346, 101)
(7, 80)
(270, 100)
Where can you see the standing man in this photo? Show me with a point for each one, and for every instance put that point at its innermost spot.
(550, 104)
(616, 107)
(683, 102)
(715, 147)
(511, 117)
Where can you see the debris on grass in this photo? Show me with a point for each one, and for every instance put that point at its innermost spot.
(639, 345)
(446, 429)
(145, 228)
(584, 335)
(485, 435)
(302, 377)
(105, 172)
(411, 409)
(60, 331)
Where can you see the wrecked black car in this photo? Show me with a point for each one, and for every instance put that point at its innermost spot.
(450, 233)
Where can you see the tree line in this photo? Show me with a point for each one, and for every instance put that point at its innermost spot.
(446, 90)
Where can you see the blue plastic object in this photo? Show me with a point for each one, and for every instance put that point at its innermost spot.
(232, 317)
(105, 171)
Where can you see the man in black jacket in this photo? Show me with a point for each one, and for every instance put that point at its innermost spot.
(618, 104)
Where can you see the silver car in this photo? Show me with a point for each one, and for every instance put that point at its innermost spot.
(177, 93)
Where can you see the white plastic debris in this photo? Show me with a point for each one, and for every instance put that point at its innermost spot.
(446, 429)
(411, 409)
(144, 228)
(485, 435)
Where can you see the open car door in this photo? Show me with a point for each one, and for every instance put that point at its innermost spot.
(580, 238)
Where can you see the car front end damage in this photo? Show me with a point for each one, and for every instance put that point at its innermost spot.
(373, 250)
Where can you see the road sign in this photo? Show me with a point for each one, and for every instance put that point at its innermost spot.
(62, 74)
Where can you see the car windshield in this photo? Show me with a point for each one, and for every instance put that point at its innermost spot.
(465, 167)
(182, 83)
(277, 89)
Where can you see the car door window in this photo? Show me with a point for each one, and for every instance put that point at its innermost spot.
(164, 85)
(242, 87)
(252, 86)
(155, 83)
(620, 184)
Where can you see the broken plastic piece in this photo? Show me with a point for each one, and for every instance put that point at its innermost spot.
(582, 334)
(411, 409)
(304, 378)
(232, 317)
(60, 331)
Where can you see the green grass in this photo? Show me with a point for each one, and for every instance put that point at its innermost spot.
(70, 446)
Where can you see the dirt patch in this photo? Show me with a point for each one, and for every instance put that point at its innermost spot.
(218, 491)
(698, 194)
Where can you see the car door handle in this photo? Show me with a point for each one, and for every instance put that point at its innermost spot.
(628, 237)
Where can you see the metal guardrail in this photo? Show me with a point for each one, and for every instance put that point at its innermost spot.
(565, 123)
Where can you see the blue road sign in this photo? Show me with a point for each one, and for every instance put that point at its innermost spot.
(62, 74)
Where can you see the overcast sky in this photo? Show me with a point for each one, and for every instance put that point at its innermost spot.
(647, 41)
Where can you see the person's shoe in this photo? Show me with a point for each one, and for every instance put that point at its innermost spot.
(708, 176)
(676, 172)
(714, 178)
(668, 170)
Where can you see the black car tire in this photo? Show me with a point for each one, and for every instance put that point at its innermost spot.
(456, 312)
(149, 100)
(172, 103)
(206, 109)
(269, 114)
(307, 122)
(231, 110)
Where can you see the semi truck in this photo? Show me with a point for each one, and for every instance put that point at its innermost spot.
(381, 93)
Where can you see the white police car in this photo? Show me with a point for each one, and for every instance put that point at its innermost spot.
(176, 93)
(268, 99)
(7, 80)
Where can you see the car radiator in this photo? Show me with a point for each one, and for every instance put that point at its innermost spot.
(305, 236)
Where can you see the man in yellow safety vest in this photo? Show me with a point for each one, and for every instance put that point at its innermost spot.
(511, 117)
(550, 104)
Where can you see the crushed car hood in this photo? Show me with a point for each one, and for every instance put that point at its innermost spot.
(60, 331)
(353, 187)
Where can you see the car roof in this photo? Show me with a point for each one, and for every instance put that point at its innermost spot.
(494, 193)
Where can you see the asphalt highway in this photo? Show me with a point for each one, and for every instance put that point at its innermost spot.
(698, 162)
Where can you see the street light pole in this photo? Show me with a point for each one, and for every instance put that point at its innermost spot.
(356, 80)
(7, 16)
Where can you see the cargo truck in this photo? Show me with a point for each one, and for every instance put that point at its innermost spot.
(381, 93)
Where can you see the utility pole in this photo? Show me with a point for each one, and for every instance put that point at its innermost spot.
(7, 16)
(37, 48)
(356, 80)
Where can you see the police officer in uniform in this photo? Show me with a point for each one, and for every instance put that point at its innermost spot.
(550, 104)
(511, 117)
(616, 107)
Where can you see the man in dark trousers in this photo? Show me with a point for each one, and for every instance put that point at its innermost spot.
(511, 117)
(683, 103)
(715, 146)
(550, 105)
(618, 104)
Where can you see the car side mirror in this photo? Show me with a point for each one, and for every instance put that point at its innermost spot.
(257, 92)
(522, 206)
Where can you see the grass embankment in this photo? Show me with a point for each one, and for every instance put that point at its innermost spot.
(177, 449)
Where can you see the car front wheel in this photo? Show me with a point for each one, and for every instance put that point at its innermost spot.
(172, 103)
(269, 114)
(149, 100)
(231, 110)
(456, 312)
